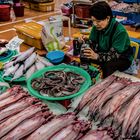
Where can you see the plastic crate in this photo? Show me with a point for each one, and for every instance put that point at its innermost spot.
(44, 7)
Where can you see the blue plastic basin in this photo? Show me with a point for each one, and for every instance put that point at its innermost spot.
(55, 56)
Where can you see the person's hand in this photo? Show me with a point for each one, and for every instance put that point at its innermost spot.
(89, 53)
(82, 38)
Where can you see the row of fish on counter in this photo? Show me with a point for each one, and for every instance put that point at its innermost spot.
(24, 64)
(23, 117)
(115, 103)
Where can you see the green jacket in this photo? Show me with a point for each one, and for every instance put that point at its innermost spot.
(119, 46)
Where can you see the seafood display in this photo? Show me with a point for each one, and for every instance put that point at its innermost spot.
(114, 102)
(24, 64)
(58, 83)
(29, 118)
(131, 7)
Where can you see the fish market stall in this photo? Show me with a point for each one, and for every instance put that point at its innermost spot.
(65, 100)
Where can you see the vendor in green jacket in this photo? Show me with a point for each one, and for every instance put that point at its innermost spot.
(111, 44)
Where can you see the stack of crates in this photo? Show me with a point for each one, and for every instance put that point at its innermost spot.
(42, 5)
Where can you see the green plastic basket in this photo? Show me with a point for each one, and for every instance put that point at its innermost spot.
(9, 78)
(9, 56)
(64, 67)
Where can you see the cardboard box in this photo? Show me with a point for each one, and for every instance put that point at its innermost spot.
(31, 34)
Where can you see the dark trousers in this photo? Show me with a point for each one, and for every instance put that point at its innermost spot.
(111, 66)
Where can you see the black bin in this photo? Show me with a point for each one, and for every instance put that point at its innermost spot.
(18, 9)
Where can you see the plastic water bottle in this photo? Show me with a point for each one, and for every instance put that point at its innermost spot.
(12, 15)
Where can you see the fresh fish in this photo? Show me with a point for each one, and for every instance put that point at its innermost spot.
(39, 65)
(15, 56)
(24, 55)
(29, 61)
(27, 126)
(18, 73)
(15, 120)
(50, 128)
(11, 70)
(93, 92)
(30, 71)
(130, 112)
(4, 84)
(44, 61)
(10, 92)
(8, 64)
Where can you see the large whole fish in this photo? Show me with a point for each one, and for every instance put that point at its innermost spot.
(39, 65)
(18, 73)
(27, 126)
(29, 61)
(24, 55)
(13, 121)
(50, 128)
(93, 92)
(44, 61)
(10, 92)
(10, 70)
(30, 71)
(8, 64)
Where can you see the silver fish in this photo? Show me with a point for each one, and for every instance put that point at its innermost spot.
(8, 64)
(10, 70)
(4, 84)
(30, 71)
(24, 55)
(44, 61)
(29, 61)
(39, 65)
(18, 73)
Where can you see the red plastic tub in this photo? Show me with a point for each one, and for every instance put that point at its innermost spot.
(4, 12)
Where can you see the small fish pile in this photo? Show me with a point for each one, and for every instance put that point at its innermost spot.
(24, 64)
(58, 83)
(115, 102)
(24, 117)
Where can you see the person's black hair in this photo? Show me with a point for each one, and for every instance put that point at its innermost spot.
(100, 10)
